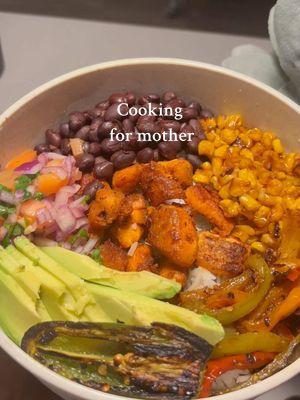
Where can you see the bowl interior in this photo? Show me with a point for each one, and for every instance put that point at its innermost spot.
(221, 91)
(23, 125)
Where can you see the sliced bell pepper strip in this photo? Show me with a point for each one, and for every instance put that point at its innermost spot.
(250, 342)
(287, 307)
(227, 315)
(217, 367)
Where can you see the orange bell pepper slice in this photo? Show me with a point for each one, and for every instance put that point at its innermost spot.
(22, 158)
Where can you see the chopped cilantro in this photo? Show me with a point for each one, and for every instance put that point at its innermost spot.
(95, 254)
(4, 188)
(82, 233)
(5, 210)
(13, 230)
(86, 199)
(23, 181)
(38, 196)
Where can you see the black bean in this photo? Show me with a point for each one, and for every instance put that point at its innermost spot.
(192, 146)
(42, 148)
(99, 160)
(195, 105)
(194, 160)
(169, 149)
(104, 170)
(86, 147)
(135, 117)
(110, 146)
(147, 124)
(112, 112)
(83, 133)
(65, 147)
(182, 154)
(92, 188)
(206, 114)
(65, 131)
(94, 127)
(93, 114)
(168, 96)
(106, 127)
(167, 124)
(130, 98)
(95, 149)
(122, 159)
(103, 105)
(53, 137)
(128, 125)
(149, 98)
(188, 113)
(176, 103)
(117, 98)
(197, 129)
(146, 155)
(133, 143)
(86, 162)
(77, 120)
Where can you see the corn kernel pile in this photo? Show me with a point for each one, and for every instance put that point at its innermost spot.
(256, 179)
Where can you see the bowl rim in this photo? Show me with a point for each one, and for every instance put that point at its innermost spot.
(69, 387)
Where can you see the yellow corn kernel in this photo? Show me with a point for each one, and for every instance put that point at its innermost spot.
(261, 216)
(247, 175)
(232, 208)
(243, 236)
(258, 246)
(265, 198)
(216, 166)
(221, 121)
(234, 121)
(206, 165)
(238, 187)
(267, 239)
(206, 148)
(246, 140)
(277, 146)
(229, 135)
(274, 187)
(225, 179)
(245, 163)
(221, 151)
(297, 204)
(246, 228)
(211, 136)
(255, 134)
(289, 162)
(257, 149)
(247, 153)
(276, 212)
(280, 175)
(249, 203)
(201, 177)
(218, 142)
(224, 192)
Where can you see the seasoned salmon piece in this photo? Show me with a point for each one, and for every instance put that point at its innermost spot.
(169, 270)
(142, 259)
(158, 187)
(224, 257)
(113, 256)
(206, 203)
(179, 169)
(172, 232)
(127, 179)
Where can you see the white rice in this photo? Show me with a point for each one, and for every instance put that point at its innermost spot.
(230, 379)
(200, 278)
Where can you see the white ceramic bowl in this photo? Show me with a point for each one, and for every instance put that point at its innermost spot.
(223, 91)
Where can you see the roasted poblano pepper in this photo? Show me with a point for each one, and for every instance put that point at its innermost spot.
(156, 362)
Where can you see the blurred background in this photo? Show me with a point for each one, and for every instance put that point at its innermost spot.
(41, 39)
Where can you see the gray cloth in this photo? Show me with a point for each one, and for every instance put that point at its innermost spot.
(281, 69)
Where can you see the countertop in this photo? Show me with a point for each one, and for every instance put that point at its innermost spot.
(38, 48)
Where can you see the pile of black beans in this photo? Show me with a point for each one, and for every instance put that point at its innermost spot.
(103, 156)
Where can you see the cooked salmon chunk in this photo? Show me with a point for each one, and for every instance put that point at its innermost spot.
(205, 202)
(224, 257)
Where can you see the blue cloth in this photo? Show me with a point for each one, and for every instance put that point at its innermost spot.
(281, 69)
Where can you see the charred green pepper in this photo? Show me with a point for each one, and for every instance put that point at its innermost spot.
(156, 362)
(227, 315)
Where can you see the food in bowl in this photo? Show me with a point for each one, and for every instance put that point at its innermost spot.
(185, 238)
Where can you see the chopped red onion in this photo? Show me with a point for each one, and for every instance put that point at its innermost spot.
(79, 249)
(65, 219)
(31, 167)
(12, 218)
(19, 194)
(54, 156)
(66, 245)
(42, 241)
(43, 215)
(132, 249)
(7, 197)
(3, 232)
(63, 195)
(81, 222)
(58, 171)
(89, 246)
(175, 201)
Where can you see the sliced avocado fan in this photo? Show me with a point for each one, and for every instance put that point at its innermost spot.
(143, 282)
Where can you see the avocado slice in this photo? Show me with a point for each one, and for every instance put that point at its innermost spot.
(143, 282)
(134, 309)
(56, 295)
(26, 279)
(18, 312)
